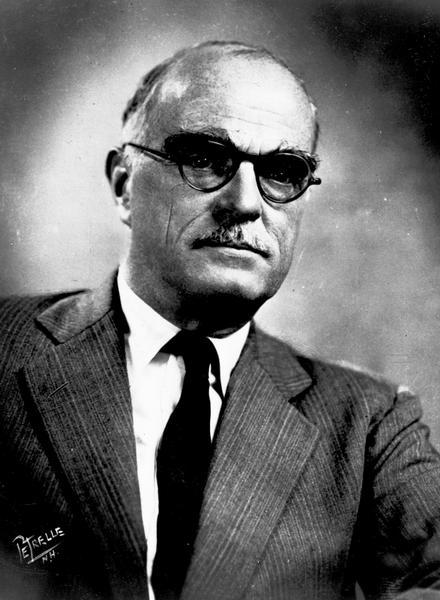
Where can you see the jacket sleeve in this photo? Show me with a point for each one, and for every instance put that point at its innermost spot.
(399, 541)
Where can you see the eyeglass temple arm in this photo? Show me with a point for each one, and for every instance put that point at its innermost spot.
(150, 151)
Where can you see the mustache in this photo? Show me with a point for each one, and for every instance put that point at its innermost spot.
(233, 235)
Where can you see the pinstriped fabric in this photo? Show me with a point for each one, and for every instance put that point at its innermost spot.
(77, 404)
(361, 501)
(20, 343)
(321, 476)
(33, 499)
(73, 315)
(80, 392)
(248, 486)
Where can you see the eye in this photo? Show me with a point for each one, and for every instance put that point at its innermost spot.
(200, 156)
(286, 169)
(198, 159)
(208, 157)
(280, 174)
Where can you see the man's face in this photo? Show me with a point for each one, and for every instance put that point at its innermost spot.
(260, 108)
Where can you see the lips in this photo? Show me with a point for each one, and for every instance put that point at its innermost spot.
(213, 243)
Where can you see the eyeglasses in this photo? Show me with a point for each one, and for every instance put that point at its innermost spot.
(207, 165)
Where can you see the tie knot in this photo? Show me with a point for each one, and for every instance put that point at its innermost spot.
(197, 351)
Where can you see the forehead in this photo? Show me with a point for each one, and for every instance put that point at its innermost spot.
(258, 103)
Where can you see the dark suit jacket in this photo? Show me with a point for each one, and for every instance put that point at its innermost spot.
(321, 476)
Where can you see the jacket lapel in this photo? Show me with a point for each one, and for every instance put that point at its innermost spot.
(79, 391)
(262, 446)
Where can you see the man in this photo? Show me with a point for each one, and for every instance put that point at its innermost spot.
(215, 464)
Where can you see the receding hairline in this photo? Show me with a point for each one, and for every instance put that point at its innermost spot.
(146, 94)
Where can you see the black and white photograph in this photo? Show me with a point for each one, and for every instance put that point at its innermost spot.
(220, 300)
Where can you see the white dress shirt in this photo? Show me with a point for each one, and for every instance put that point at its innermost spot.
(156, 380)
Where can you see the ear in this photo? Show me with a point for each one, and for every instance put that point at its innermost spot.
(118, 174)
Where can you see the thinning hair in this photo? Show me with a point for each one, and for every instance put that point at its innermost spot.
(145, 97)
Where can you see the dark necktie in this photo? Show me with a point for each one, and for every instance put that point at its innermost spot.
(182, 466)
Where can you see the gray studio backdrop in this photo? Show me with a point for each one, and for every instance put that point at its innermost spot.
(365, 284)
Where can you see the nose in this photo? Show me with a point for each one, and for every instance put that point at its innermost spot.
(240, 200)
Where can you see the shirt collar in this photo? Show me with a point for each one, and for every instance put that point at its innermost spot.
(229, 349)
(149, 332)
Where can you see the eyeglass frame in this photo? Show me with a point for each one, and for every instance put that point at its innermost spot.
(237, 156)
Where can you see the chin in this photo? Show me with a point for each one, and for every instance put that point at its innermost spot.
(236, 289)
(222, 304)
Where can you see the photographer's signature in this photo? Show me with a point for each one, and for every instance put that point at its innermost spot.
(38, 547)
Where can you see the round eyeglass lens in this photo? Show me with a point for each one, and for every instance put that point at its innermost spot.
(206, 166)
(283, 177)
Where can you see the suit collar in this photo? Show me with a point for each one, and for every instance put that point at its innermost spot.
(76, 312)
(288, 372)
(78, 391)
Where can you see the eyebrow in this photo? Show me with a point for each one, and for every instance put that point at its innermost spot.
(218, 134)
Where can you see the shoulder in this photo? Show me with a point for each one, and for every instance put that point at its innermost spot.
(18, 310)
(338, 388)
(20, 332)
(338, 372)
